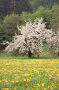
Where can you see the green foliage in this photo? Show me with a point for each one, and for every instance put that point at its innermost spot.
(55, 10)
(46, 3)
(54, 24)
(10, 25)
(44, 13)
(26, 16)
(2, 36)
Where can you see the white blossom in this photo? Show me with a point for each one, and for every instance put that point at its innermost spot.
(53, 41)
(30, 38)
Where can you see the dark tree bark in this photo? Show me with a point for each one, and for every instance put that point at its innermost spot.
(58, 54)
(29, 54)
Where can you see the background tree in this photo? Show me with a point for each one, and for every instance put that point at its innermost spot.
(54, 23)
(53, 42)
(45, 13)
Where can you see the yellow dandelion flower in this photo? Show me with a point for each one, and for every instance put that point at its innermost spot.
(0, 80)
(12, 81)
(4, 88)
(25, 79)
(48, 86)
(39, 85)
(15, 88)
(17, 77)
(45, 88)
(6, 81)
(17, 81)
(42, 84)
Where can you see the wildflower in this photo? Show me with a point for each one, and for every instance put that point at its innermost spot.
(0, 81)
(25, 79)
(48, 86)
(17, 81)
(4, 88)
(45, 88)
(42, 84)
(15, 88)
(6, 81)
(12, 81)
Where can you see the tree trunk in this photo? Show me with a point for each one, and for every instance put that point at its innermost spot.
(29, 54)
(58, 54)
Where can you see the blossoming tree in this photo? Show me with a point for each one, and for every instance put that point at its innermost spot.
(30, 40)
(53, 42)
(32, 37)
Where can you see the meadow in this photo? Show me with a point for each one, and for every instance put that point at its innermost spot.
(29, 74)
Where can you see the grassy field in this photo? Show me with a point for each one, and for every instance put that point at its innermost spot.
(29, 74)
